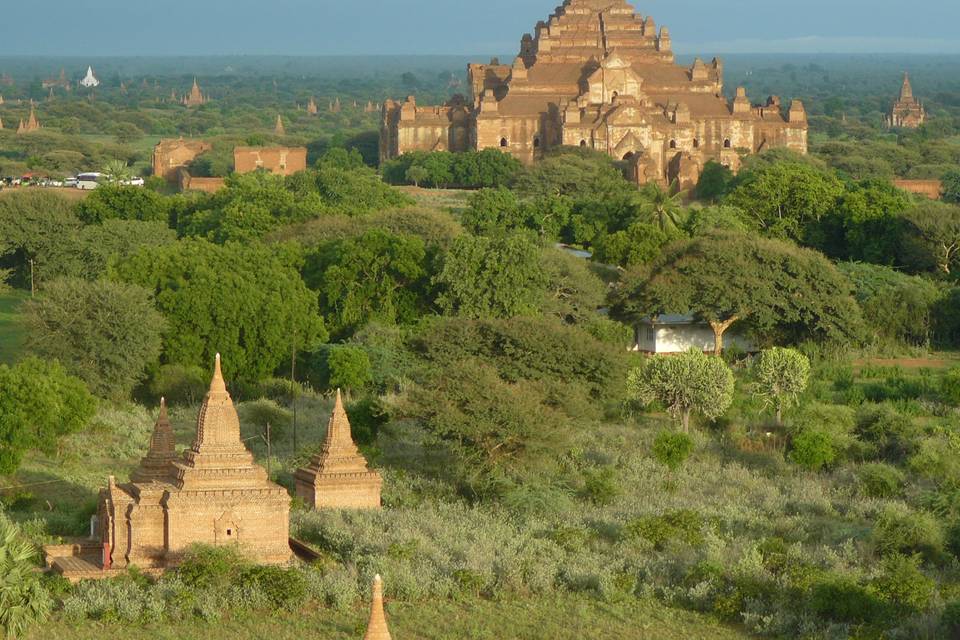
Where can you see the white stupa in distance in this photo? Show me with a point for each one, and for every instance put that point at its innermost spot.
(90, 80)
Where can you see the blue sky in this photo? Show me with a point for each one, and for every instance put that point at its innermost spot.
(327, 27)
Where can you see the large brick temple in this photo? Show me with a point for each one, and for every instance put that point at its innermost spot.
(213, 494)
(599, 75)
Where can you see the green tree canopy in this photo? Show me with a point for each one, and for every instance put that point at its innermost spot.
(114, 201)
(481, 277)
(106, 333)
(37, 231)
(377, 276)
(935, 234)
(39, 403)
(782, 198)
(246, 302)
(574, 171)
(723, 278)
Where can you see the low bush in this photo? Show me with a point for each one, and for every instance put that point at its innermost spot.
(683, 527)
(813, 449)
(901, 530)
(880, 480)
(672, 449)
(842, 599)
(903, 586)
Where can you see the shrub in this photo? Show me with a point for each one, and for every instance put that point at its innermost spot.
(842, 599)
(684, 526)
(950, 386)
(950, 619)
(285, 588)
(892, 434)
(23, 600)
(900, 530)
(206, 567)
(672, 449)
(880, 480)
(903, 586)
(813, 449)
(600, 486)
(349, 368)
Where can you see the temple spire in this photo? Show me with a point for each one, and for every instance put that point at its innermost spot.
(157, 464)
(339, 434)
(218, 425)
(906, 91)
(377, 627)
(279, 128)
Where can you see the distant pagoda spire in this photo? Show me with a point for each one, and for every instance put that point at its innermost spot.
(279, 128)
(906, 91)
(157, 465)
(377, 627)
(312, 108)
(32, 123)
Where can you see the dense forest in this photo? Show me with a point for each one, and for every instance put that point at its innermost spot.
(479, 316)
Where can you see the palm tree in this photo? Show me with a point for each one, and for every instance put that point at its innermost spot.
(117, 171)
(23, 600)
(663, 207)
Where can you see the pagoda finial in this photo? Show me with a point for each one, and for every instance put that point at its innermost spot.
(377, 627)
(217, 384)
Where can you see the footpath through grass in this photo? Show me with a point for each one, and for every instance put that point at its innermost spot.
(12, 331)
(555, 617)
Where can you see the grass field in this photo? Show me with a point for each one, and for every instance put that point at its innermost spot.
(560, 617)
(12, 333)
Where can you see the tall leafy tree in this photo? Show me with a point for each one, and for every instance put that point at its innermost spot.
(723, 278)
(783, 198)
(951, 186)
(377, 276)
(106, 333)
(39, 403)
(781, 376)
(114, 201)
(38, 231)
(482, 277)
(247, 302)
(936, 233)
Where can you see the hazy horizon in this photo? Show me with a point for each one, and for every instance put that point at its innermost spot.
(431, 27)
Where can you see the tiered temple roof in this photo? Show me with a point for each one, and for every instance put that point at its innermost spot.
(338, 476)
(907, 112)
(157, 465)
(218, 457)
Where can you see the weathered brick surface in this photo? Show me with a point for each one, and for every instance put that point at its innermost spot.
(598, 75)
(338, 477)
(213, 494)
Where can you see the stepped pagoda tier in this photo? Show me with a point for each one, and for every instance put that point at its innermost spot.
(377, 626)
(157, 465)
(596, 74)
(213, 494)
(907, 112)
(338, 477)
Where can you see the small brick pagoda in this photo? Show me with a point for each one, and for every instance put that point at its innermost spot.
(338, 477)
(213, 494)
(377, 627)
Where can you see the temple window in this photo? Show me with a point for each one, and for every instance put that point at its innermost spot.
(229, 532)
(628, 156)
(726, 143)
(583, 143)
(673, 144)
(503, 142)
(696, 143)
(536, 142)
